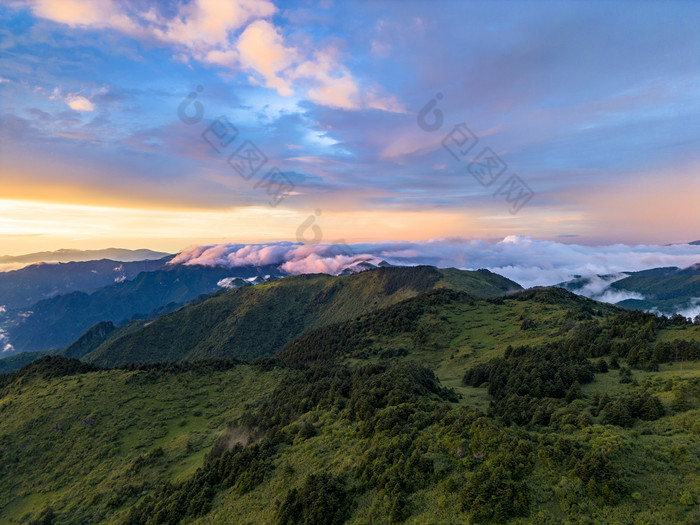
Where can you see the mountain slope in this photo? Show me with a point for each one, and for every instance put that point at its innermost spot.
(258, 321)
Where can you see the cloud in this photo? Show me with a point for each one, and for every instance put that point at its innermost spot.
(209, 23)
(387, 103)
(79, 103)
(330, 85)
(235, 34)
(75, 12)
(325, 263)
(261, 48)
(598, 287)
(291, 258)
(527, 261)
(75, 100)
(616, 296)
(693, 308)
(5, 346)
(689, 309)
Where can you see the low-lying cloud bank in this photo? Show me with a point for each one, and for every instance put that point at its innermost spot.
(524, 260)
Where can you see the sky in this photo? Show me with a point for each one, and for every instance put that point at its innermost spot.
(147, 124)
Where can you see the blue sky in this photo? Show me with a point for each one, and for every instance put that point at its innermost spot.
(595, 106)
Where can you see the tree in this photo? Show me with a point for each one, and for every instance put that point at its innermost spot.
(574, 392)
(614, 363)
(625, 375)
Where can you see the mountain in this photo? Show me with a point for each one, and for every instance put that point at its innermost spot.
(22, 288)
(14, 362)
(90, 340)
(258, 321)
(665, 290)
(535, 406)
(58, 321)
(115, 254)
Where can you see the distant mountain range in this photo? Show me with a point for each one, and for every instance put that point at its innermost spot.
(22, 288)
(661, 290)
(48, 306)
(59, 320)
(67, 255)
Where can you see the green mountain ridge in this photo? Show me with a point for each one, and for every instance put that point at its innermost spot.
(258, 321)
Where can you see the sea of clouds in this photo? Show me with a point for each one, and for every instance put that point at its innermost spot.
(527, 261)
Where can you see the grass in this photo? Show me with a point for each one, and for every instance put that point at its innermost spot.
(134, 413)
